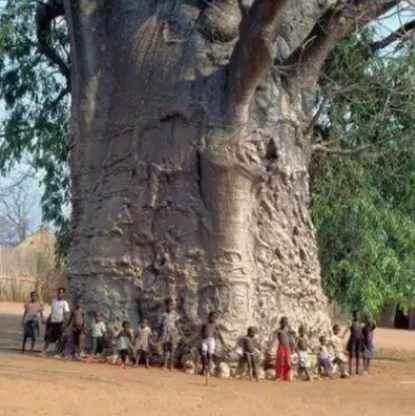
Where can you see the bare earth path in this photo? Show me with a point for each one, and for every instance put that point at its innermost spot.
(43, 387)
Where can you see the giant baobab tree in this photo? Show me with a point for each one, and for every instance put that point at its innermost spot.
(190, 140)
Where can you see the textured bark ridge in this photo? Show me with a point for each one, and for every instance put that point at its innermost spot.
(176, 192)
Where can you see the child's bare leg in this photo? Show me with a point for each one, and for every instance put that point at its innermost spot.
(368, 365)
(172, 357)
(166, 356)
(248, 359)
(204, 362)
(307, 373)
(255, 369)
(138, 358)
(357, 363)
(350, 363)
(146, 358)
(24, 344)
(32, 346)
(342, 368)
(45, 347)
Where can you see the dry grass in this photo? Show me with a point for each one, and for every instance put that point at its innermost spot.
(30, 266)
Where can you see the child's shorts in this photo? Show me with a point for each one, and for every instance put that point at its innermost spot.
(30, 329)
(304, 359)
(208, 345)
(325, 364)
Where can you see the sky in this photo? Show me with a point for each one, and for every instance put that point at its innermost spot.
(386, 25)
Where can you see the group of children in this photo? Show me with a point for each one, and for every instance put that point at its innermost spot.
(63, 325)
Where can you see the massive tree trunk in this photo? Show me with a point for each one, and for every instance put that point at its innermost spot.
(189, 159)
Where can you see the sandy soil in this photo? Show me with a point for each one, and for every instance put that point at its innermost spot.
(31, 385)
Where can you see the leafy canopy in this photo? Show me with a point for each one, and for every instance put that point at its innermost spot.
(363, 193)
(34, 121)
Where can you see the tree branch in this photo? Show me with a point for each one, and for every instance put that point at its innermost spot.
(252, 57)
(324, 148)
(338, 21)
(336, 151)
(394, 36)
(46, 13)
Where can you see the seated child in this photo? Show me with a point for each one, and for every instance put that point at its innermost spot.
(142, 343)
(324, 361)
(302, 346)
(336, 343)
(249, 349)
(368, 333)
(125, 341)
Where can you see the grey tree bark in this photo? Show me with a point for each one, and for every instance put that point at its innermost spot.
(190, 153)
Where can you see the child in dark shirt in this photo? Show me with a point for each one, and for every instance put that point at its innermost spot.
(354, 344)
(248, 347)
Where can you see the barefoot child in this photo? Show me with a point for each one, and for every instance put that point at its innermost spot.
(54, 324)
(302, 346)
(97, 331)
(283, 362)
(210, 331)
(77, 325)
(248, 347)
(142, 343)
(125, 341)
(368, 333)
(170, 332)
(354, 344)
(30, 321)
(336, 343)
(324, 361)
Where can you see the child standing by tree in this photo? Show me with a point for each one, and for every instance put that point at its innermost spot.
(210, 331)
(302, 346)
(283, 362)
(77, 325)
(354, 344)
(170, 332)
(125, 341)
(54, 325)
(30, 321)
(97, 333)
(142, 342)
(368, 333)
(249, 349)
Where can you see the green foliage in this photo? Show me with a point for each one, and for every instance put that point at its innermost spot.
(363, 205)
(34, 123)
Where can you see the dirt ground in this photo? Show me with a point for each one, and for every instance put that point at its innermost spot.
(31, 385)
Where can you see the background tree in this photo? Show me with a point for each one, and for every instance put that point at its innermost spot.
(16, 212)
(190, 146)
(363, 173)
(34, 88)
